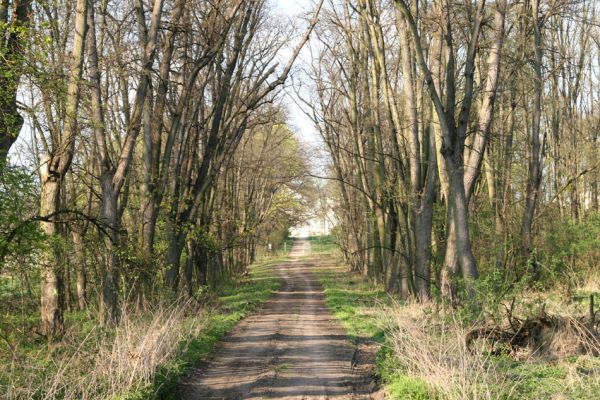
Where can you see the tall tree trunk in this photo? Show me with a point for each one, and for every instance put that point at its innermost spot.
(53, 173)
(424, 224)
(81, 278)
(534, 176)
(474, 160)
(460, 211)
(109, 217)
(51, 288)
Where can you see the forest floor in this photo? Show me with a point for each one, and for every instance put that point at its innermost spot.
(293, 348)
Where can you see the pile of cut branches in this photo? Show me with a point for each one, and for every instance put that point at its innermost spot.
(543, 334)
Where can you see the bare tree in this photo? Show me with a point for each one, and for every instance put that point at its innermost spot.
(536, 147)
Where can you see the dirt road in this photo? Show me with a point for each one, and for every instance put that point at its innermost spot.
(292, 349)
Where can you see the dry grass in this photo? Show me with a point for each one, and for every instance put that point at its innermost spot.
(431, 347)
(591, 282)
(106, 365)
(434, 351)
(141, 358)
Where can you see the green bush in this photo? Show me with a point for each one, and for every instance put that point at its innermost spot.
(19, 233)
(570, 250)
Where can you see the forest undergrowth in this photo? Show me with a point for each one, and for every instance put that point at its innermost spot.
(141, 358)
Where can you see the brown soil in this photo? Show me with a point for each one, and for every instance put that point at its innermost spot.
(292, 349)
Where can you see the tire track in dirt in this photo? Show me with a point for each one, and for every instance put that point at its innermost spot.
(292, 349)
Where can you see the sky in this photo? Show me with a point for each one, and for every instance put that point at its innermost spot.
(292, 7)
(300, 123)
(295, 9)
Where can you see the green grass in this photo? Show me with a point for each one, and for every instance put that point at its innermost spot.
(353, 301)
(322, 244)
(401, 386)
(570, 378)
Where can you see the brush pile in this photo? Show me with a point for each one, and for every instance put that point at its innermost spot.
(547, 335)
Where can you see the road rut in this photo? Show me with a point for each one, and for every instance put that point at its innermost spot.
(292, 349)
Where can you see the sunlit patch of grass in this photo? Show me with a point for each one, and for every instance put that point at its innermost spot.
(322, 244)
(576, 377)
(407, 387)
(398, 385)
(352, 300)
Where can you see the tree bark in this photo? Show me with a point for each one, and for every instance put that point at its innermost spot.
(52, 291)
(534, 175)
(53, 172)
(81, 279)
(109, 217)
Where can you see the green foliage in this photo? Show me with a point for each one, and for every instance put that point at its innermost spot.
(566, 256)
(203, 238)
(492, 291)
(19, 233)
(565, 250)
(570, 250)
(21, 241)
